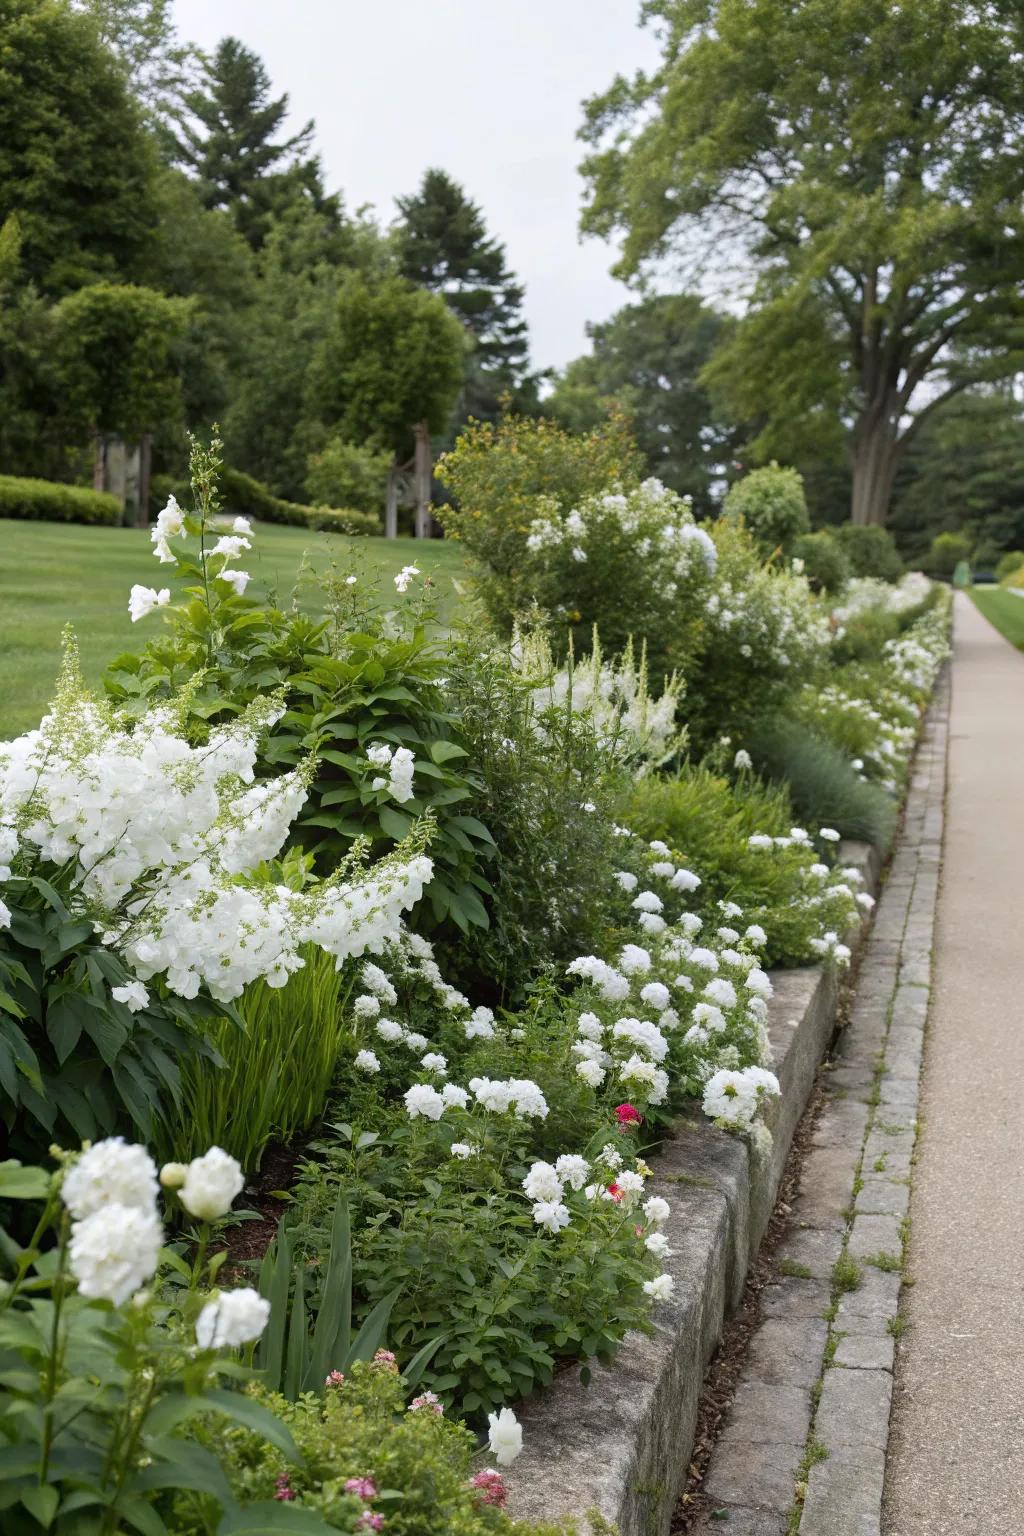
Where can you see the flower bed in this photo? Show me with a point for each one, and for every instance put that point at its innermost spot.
(469, 919)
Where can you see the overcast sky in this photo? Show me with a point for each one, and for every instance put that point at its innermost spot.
(486, 89)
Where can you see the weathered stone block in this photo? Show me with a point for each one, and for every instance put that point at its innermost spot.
(854, 1409)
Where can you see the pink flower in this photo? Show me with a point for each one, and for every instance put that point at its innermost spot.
(614, 1192)
(385, 1358)
(335, 1379)
(428, 1400)
(625, 1114)
(370, 1522)
(363, 1487)
(284, 1491)
(491, 1485)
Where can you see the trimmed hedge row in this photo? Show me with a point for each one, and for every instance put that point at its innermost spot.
(50, 502)
(243, 496)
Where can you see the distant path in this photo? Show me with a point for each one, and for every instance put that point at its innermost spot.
(956, 1456)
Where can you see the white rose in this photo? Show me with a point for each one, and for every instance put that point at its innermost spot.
(115, 1251)
(110, 1173)
(505, 1437)
(235, 1317)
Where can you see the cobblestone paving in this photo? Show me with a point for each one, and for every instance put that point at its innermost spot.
(804, 1445)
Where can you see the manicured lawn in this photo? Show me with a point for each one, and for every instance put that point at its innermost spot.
(52, 574)
(1004, 610)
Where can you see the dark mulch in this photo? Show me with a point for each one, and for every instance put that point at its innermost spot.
(250, 1240)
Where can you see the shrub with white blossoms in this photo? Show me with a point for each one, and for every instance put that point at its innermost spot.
(156, 840)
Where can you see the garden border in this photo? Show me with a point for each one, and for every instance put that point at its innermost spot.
(620, 1446)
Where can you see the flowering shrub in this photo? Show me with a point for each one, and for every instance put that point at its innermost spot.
(372, 1458)
(130, 835)
(496, 472)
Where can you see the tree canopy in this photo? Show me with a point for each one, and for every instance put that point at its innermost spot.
(868, 160)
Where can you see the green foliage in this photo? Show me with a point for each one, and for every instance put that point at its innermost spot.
(75, 165)
(646, 362)
(392, 356)
(442, 244)
(824, 560)
(497, 470)
(420, 1463)
(117, 346)
(348, 475)
(708, 821)
(74, 1062)
(226, 141)
(870, 550)
(1009, 564)
(96, 1399)
(48, 502)
(772, 504)
(732, 141)
(948, 550)
(280, 1065)
(824, 789)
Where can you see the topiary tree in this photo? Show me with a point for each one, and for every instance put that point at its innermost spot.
(116, 345)
(948, 551)
(772, 504)
(348, 475)
(824, 560)
(393, 356)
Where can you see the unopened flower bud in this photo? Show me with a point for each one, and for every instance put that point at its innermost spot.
(173, 1175)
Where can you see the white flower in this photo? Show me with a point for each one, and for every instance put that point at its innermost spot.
(573, 1169)
(657, 994)
(111, 1172)
(527, 1099)
(237, 579)
(463, 1149)
(828, 834)
(647, 901)
(433, 1061)
(235, 1317)
(505, 1436)
(454, 1096)
(589, 1026)
(657, 1210)
(388, 1030)
(863, 900)
(422, 1099)
(405, 575)
(551, 1214)
(374, 980)
(657, 1244)
(366, 1006)
(366, 1061)
(230, 546)
(611, 1156)
(742, 759)
(758, 982)
(211, 1184)
(760, 840)
(143, 600)
(664, 869)
(591, 1072)
(5, 915)
(685, 880)
(756, 934)
(542, 1183)
(660, 1288)
(242, 525)
(721, 992)
(133, 995)
(627, 881)
(115, 1251)
(634, 960)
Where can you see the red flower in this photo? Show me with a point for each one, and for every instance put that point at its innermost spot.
(625, 1114)
(491, 1485)
(284, 1491)
(615, 1192)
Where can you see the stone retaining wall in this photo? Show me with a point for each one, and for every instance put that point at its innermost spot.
(620, 1446)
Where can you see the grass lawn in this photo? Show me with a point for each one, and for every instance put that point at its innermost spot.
(52, 574)
(1003, 610)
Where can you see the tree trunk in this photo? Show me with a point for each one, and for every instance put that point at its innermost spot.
(422, 473)
(391, 504)
(876, 454)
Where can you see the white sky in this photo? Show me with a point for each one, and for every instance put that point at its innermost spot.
(488, 90)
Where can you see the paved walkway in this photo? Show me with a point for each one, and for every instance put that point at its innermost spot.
(956, 1457)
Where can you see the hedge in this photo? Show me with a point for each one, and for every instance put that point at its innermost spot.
(246, 497)
(48, 501)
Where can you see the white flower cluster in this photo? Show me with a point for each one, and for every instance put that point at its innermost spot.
(159, 833)
(628, 722)
(401, 765)
(735, 1098)
(111, 1192)
(865, 594)
(772, 621)
(170, 524)
(652, 521)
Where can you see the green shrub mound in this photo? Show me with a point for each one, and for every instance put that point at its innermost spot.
(824, 560)
(870, 550)
(771, 502)
(49, 502)
(1009, 564)
(823, 787)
